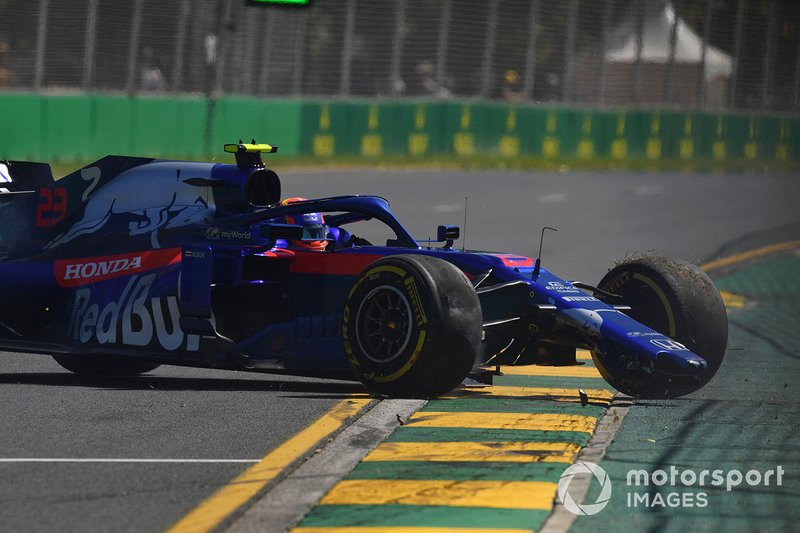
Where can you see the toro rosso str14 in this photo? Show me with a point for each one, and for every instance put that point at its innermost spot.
(130, 263)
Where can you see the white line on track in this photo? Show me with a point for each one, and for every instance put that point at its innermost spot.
(552, 198)
(116, 460)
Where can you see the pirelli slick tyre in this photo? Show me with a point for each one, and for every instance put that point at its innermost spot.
(104, 365)
(411, 326)
(678, 300)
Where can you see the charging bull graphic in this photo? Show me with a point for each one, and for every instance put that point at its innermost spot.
(132, 193)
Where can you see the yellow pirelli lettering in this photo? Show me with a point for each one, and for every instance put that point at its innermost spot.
(416, 301)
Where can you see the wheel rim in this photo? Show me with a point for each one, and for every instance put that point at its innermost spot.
(383, 324)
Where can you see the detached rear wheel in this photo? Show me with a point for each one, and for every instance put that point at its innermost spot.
(104, 365)
(412, 326)
(678, 300)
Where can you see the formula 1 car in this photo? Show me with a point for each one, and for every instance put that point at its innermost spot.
(130, 263)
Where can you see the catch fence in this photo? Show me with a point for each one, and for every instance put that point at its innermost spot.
(653, 54)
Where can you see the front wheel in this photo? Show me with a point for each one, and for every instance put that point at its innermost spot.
(104, 365)
(678, 300)
(411, 326)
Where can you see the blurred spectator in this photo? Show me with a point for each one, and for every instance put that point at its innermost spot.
(430, 85)
(6, 73)
(152, 77)
(512, 89)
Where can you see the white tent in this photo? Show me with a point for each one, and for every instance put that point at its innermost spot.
(657, 27)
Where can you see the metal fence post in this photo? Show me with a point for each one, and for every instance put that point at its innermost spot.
(569, 52)
(737, 52)
(133, 45)
(488, 50)
(397, 48)
(600, 83)
(180, 44)
(530, 57)
(797, 79)
(673, 34)
(299, 54)
(223, 44)
(701, 81)
(41, 44)
(637, 67)
(347, 48)
(266, 51)
(89, 44)
(441, 53)
(248, 61)
(769, 58)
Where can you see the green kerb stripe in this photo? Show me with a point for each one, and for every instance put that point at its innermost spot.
(434, 434)
(419, 515)
(459, 471)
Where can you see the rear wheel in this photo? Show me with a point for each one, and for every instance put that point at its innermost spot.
(104, 365)
(678, 300)
(412, 326)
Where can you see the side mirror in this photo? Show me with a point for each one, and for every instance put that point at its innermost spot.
(447, 233)
(274, 231)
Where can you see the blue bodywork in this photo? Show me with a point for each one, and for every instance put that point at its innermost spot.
(173, 261)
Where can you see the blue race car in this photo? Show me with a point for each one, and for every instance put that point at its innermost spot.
(130, 263)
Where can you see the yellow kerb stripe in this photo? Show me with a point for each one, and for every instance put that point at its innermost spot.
(516, 452)
(732, 300)
(404, 529)
(752, 254)
(493, 494)
(573, 371)
(583, 355)
(538, 393)
(539, 421)
(244, 487)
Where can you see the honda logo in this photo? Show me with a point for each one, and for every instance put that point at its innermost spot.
(669, 344)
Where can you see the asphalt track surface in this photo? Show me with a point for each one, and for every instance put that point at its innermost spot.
(189, 414)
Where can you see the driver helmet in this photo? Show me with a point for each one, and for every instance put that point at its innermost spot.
(314, 227)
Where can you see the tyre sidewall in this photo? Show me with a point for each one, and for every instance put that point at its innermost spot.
(406, 282)
(678, 300)
(445, 333)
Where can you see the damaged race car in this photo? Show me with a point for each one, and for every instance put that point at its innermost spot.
(130, 263)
